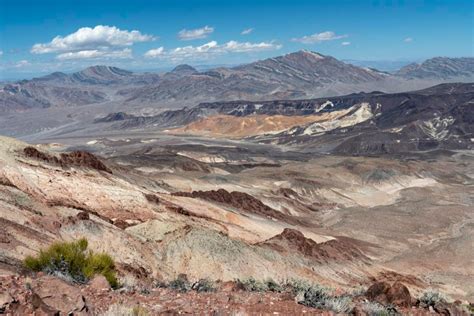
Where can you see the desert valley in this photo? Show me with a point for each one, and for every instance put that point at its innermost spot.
(271, 173)
(202, 157)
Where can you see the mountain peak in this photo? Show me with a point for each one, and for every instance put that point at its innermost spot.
(103, 69)
(101, 74)
(308, 53)
(184, 69)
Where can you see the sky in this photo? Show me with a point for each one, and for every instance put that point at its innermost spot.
(42, 36)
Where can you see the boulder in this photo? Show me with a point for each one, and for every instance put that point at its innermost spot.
(59, 295)
(444, 308)
(384, 293)
(5, 300)
(99, 283)
(378, 292)
(358, 311)
(399, 295)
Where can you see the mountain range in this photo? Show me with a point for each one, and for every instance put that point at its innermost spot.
(303, 74)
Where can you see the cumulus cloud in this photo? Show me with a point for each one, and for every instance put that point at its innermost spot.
(346, 43)
(202, 32)
(101, 37)
(408, 40)
(210, 49)
(94, 53)
(247, 31)
(319, 37)
(1, 53)
(152, 53)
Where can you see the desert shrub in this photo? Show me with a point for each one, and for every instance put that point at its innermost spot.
(338, 304)
(72, 261)
(123, 310)
(313, 295)
(273, 286)
(101, 263)
(252, 285)
(359, 291)
(204, 285)
(430, 297)
(180, 284)
(377, 309)
(297, 286)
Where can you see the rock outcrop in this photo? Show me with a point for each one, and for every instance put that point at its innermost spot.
(386, 293)
(336, 250)
(75, 158)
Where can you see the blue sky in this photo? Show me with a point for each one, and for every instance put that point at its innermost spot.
(147, 35)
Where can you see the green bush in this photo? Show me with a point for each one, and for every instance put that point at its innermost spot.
(73, 261)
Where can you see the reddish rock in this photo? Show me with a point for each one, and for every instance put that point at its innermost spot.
(239, 200)
(399, 295)
(5, 299)
(292, 240)
(76, 158)
(384, 293)
(378, 292)
(83, 159)
(230, 286)
(358, 311)
(41, 308)
(82, 216)
(120, 223)
(153, 198)
(99, 283)
(60, 295)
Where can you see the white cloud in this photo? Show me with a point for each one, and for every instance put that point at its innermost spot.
(234, 46)
(1, 52)
(247, 31)
(202, 32)
(210, 49)
(152, 53)
(94, 53)
(319, 37)
(98, 38)
(22, 63)
(408, 40)
(346, 43)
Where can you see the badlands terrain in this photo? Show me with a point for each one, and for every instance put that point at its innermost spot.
(314, 181)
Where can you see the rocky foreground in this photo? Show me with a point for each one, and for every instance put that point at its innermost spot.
(339, 235)
(47, 295)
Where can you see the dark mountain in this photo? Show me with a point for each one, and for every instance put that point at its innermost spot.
(299, 75)
(306, 68)
(440, 68)
(27, 95)
(440, 117)
(114, 117)
(184, 70)
(296, 75)
(100, 75)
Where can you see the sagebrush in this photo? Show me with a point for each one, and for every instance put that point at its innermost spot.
(73, 261)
